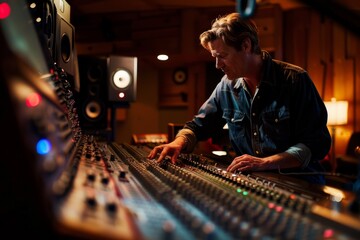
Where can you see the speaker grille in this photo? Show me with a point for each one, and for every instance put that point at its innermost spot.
(64, 50)
(93, 92)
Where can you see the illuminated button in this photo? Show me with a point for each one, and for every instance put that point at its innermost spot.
(328, 233)
(4, 10)
(271, 205)
(121, 95)
(43, 146)
(33, 100)
(279, 208)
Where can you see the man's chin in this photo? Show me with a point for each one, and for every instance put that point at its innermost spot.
(230, 78)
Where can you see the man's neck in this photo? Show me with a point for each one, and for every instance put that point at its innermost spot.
(255, 75)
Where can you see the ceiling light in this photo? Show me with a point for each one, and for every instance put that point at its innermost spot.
(162, 57)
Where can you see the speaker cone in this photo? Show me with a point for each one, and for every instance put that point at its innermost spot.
(121, 78)
(65, 48)
(93, 110)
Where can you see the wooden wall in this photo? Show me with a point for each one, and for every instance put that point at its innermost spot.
(331, 54)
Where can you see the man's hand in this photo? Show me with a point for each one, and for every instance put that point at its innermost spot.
(172, 149)
(246, 163)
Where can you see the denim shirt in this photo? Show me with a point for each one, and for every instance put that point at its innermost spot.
(285, 114)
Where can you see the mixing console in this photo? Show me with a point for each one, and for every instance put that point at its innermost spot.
(126, 196)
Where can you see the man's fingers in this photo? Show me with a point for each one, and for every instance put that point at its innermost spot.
(231, 166)
(154, 151)
(175, 156)
(151, 154)
(164, 151)
(162, 155)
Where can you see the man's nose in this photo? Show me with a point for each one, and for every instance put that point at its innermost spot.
(218, 63)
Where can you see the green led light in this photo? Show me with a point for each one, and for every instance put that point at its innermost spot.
(239, 190)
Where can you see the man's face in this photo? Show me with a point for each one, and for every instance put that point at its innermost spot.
(228, 59)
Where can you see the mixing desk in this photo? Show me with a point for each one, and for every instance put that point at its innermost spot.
(124, 194)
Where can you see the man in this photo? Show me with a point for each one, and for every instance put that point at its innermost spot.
(276, 118)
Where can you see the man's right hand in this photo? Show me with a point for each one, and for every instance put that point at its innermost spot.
(172, 149)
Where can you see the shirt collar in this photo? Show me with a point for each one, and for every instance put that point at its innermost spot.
(239, 83)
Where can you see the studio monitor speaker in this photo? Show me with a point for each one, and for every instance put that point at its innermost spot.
(92, 102)
(43, 13)
(63, 8)
(122, 74)
(64, 45)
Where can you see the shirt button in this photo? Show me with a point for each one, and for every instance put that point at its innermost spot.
(254, 114)
(232, 120)
(255, 133)
(257, 152)
(276, 120)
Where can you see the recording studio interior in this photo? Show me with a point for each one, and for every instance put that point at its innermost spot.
(90, 87)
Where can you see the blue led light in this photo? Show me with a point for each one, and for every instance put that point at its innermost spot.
(246, 11)
(43, 146)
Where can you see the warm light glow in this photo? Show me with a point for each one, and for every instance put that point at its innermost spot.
(219, 153)
(162, 57)
(336, 194)
(337, 112)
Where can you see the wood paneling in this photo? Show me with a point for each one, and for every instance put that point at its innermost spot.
(330, 53)
(172, 94)
(268, 19)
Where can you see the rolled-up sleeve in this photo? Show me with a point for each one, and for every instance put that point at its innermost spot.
(190, 139)
(301, 152)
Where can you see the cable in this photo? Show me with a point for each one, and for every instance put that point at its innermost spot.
(318, 173)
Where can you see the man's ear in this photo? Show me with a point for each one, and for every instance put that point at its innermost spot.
(246, 45)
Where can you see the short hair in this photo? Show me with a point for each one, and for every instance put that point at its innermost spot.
(232, 29)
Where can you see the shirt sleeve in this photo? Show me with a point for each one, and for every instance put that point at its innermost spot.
(310, 118)
(301, 152)
(190, 139)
